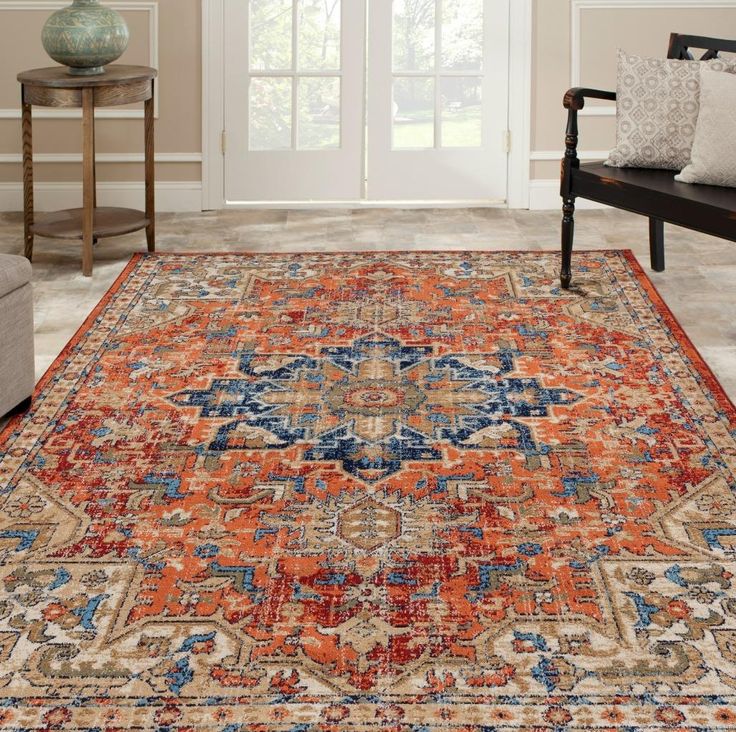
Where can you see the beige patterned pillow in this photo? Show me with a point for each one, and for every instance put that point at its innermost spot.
(714, 150)
(657, 110)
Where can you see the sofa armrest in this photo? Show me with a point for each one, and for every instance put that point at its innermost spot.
(575, 98)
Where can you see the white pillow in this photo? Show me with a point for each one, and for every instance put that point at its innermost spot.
(713, 158)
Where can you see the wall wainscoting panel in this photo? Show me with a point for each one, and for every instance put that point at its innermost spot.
(171, 196)
(49, 6)
(544, 195)
(577, 7)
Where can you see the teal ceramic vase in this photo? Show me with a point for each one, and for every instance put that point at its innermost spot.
(85, 36)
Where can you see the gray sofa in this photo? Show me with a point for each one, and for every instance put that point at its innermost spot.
(17, 370)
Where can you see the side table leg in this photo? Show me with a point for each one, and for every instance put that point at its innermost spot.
(94, 169)
(150, 172)
(27, 181)
(94, 162)
(88, 179)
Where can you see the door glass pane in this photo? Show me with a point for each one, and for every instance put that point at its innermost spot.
(270, 35)
(270, 113)
(319, 35)
(462, 34)
(319, 112)
(413, 112)
(461, 111)
(413, 35)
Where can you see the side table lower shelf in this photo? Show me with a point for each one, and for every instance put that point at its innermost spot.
(108, 221)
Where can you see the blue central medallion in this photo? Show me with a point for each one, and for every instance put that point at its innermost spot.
(375, 405)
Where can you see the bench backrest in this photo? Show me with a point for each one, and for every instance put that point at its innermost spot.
(680, 46)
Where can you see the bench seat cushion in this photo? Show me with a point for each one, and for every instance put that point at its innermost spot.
(14, 273)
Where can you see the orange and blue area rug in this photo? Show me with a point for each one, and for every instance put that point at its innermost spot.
(409, 492)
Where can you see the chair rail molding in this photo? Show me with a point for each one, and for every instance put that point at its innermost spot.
(110, 158)
(576, 17)
(557, 155)
(147, 6)
(213, 116)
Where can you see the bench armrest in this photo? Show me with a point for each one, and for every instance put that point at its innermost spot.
(573, 102)
(575, 98)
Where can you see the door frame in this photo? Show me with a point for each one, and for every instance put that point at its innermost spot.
(213, 117)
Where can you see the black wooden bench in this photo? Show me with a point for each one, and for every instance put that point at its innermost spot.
(652, 193)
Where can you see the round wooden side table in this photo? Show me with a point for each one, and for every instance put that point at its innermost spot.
(55, 87)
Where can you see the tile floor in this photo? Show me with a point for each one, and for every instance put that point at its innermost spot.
(699, 284)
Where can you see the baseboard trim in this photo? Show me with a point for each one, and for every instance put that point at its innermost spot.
(358, 203)
(179, 196)
(544, 195)
(186, 196)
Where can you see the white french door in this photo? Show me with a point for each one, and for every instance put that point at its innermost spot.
(366, 100)
(438, 100)
(294, 99)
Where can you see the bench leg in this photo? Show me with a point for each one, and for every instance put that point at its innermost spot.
(656, 244)
(568, 234)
